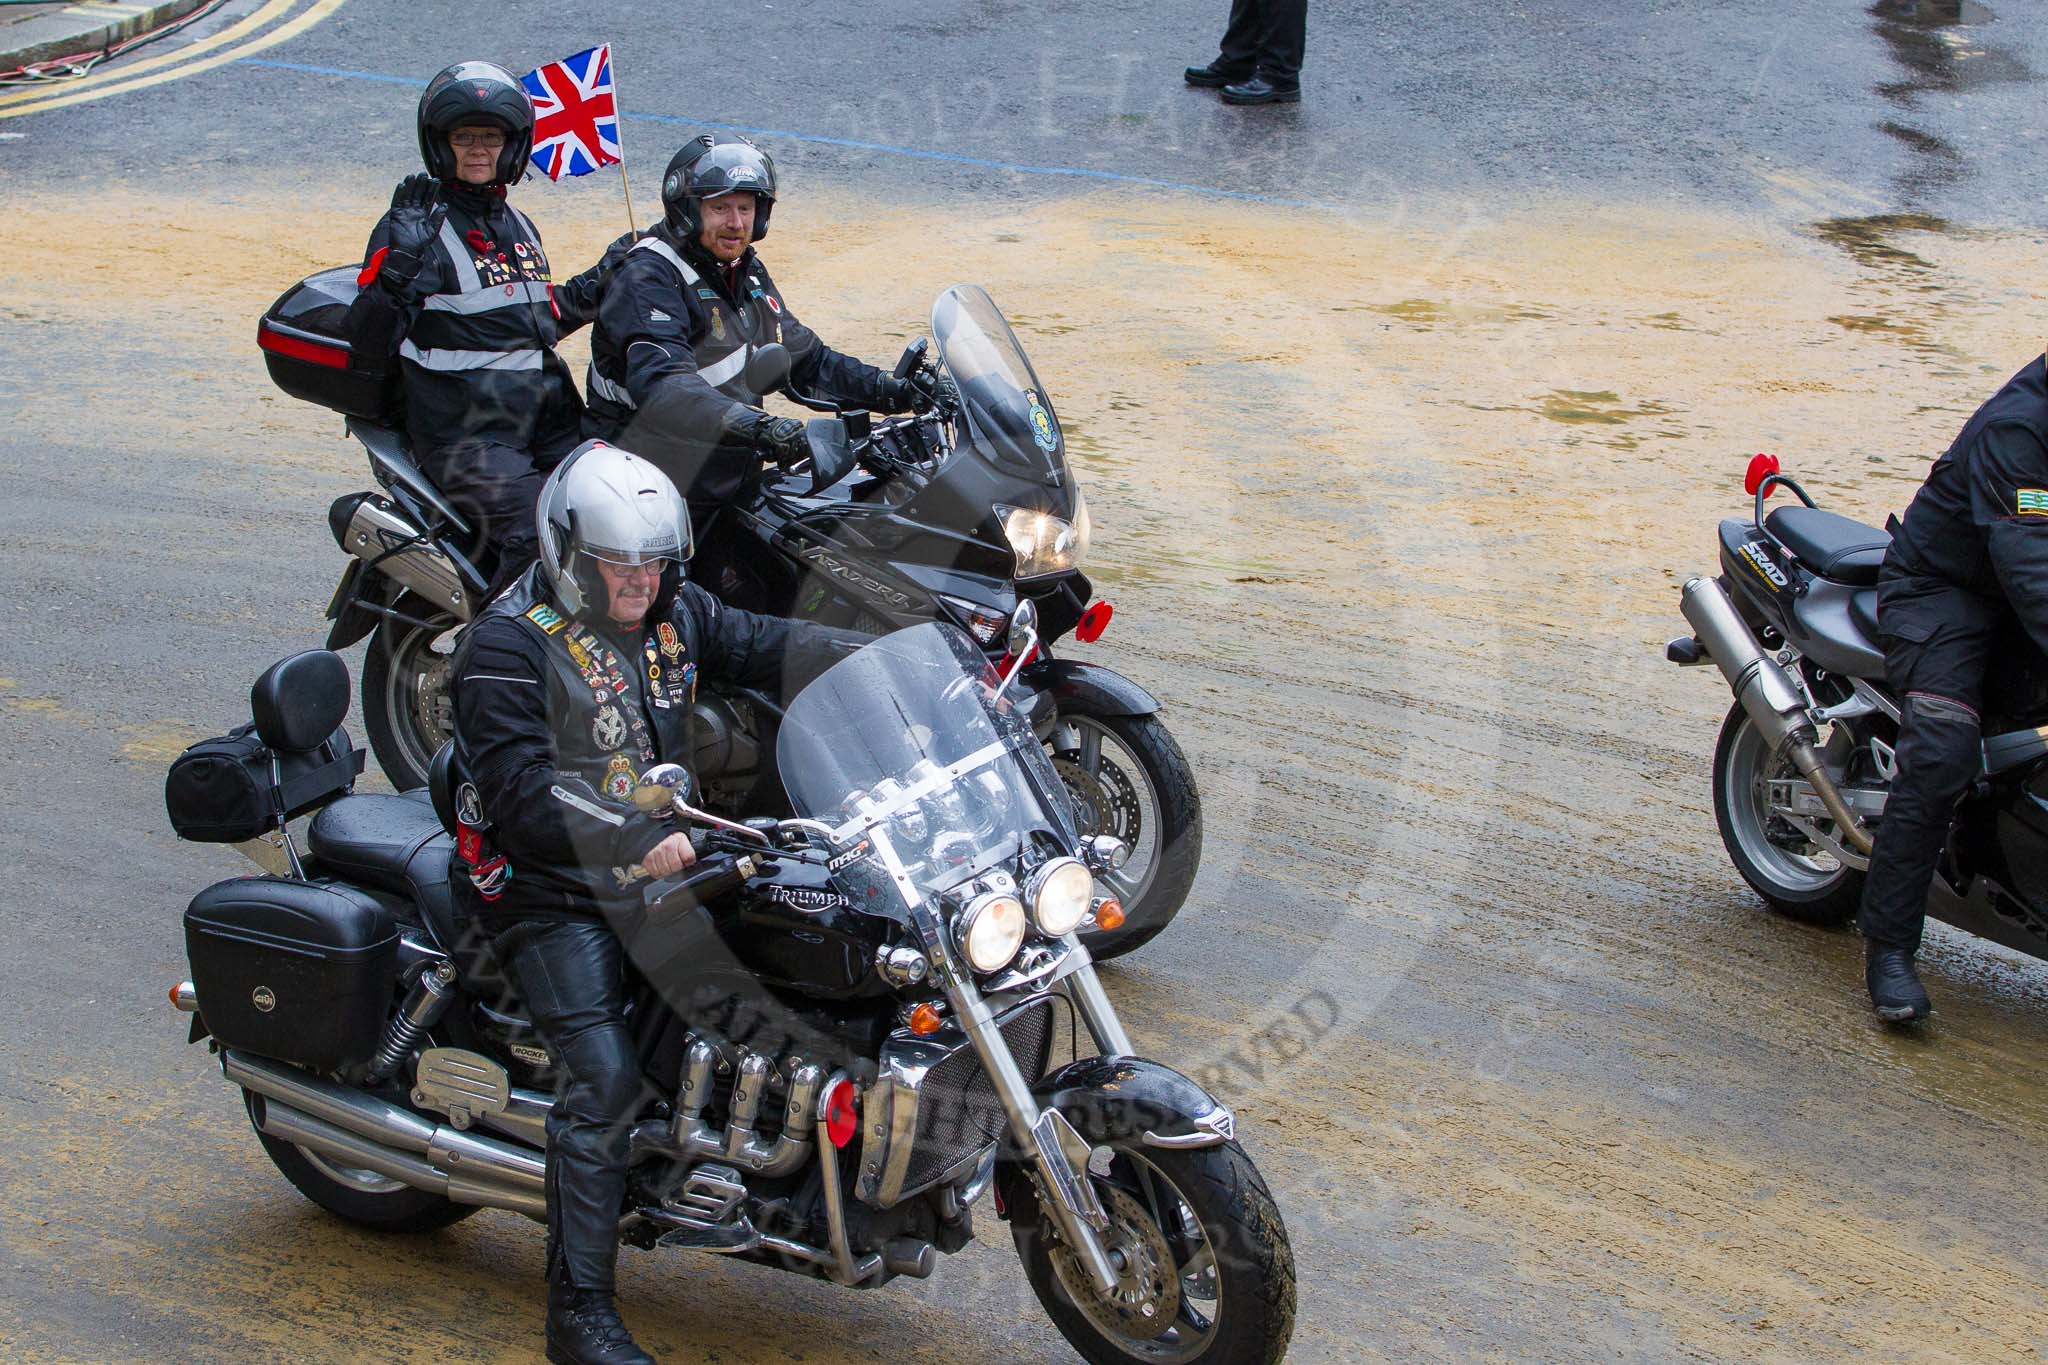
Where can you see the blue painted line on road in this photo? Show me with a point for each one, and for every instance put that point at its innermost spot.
(852, 144)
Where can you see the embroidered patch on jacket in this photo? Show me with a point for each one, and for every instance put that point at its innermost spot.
(2033, 502)
(547, 618)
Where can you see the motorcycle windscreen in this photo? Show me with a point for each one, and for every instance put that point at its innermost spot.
(903, 737)
(1009, 418)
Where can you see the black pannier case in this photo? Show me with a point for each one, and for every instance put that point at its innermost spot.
(300, 971)
(306, 347)
(225, 790)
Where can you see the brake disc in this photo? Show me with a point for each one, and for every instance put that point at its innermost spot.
(1105, 799)
(1145, 1303)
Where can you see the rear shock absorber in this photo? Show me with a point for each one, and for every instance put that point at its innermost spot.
(421, 1011)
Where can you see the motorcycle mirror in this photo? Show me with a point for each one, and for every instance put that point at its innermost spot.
(831, 452)
(1023, 628)
(767, 368)
(912, 357)
(659, 786)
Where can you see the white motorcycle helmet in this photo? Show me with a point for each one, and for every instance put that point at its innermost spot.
(603, 503)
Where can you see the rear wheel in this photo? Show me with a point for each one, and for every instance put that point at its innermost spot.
(364, 1198)
(1129, 778)
(1796, 876)
(408, 709)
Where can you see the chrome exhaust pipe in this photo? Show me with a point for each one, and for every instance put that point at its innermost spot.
(1772, 701)
(376, 1135)
(375, 528)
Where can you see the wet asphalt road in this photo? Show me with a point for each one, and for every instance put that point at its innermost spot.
(1392, 494)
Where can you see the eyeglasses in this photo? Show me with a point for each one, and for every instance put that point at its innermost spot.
(651, 569)
(462, 140)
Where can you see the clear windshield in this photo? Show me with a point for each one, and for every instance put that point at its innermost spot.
(1009, 417)
(902, 738)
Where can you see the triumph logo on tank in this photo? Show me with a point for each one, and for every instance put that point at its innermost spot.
(1761, 562)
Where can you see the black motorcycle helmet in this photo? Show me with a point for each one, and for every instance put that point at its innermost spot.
(708, 166)
(476, 92)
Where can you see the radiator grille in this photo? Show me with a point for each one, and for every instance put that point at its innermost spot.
(958, 1112)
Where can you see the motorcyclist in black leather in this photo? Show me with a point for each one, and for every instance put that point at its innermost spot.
(683, 313)
(1970, 556)
(573, 682)
(456, 286)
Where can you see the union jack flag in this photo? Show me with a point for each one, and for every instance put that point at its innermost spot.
(575, 118)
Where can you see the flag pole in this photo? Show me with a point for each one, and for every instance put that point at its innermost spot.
(619, 117)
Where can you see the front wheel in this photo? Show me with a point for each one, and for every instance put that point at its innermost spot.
(1205, 1270)
(1129, 778)
(1798, 878)
(408, 710)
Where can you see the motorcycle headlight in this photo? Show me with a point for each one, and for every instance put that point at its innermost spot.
(1060, 894)
(1043, 543)
(991, 930)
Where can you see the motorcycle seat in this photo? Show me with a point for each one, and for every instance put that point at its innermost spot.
(1833, 546)
(393, 843)
(1863, 612)
(396, 844)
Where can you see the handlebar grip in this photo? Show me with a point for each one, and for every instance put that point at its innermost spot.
(710, 878)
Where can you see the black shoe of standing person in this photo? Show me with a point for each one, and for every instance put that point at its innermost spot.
(1259, 90)
(584, 1329)
(1216, 74)
(1895, 990)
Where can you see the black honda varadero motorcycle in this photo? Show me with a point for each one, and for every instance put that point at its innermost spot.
(957, 515)
(1806, 752)
(845, 1018)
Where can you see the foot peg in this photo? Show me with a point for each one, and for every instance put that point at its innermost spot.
(724, 1240)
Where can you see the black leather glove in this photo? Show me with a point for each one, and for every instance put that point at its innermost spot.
(782, 439)
(897, 395)
(416, 214)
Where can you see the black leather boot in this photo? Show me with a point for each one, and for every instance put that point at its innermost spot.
(584, 1329)
(1895, 989)
(1260, 90)
(1216, 74)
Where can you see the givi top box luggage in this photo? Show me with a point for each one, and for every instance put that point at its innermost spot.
(305, 344)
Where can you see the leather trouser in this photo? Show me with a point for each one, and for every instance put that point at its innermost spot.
(1266, 37)
(572, 975)
(1938, 640)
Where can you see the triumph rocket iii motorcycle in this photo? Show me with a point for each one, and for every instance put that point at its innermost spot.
(957, 515)
(845, 1020)
(1806, 753)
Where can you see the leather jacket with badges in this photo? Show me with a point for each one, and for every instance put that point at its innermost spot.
(677, 323)
(556, 718)
(1980, 521)
(475, 333)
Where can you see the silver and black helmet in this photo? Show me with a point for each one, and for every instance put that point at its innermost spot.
(603, 503)
(710, 165)
(476, 92)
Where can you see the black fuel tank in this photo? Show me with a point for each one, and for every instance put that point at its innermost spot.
(798, 933)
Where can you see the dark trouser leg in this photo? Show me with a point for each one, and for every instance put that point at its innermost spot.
(1937, 641)
(1238, 53)
(496, 487)
(1283, 42)
(571, 976)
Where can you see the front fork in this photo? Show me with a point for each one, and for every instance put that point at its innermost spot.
(1056, 1150)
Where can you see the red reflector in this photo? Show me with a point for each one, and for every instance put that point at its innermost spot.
(334, 357)
(1761, 467)
(842, 1121)
(1093, 622)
